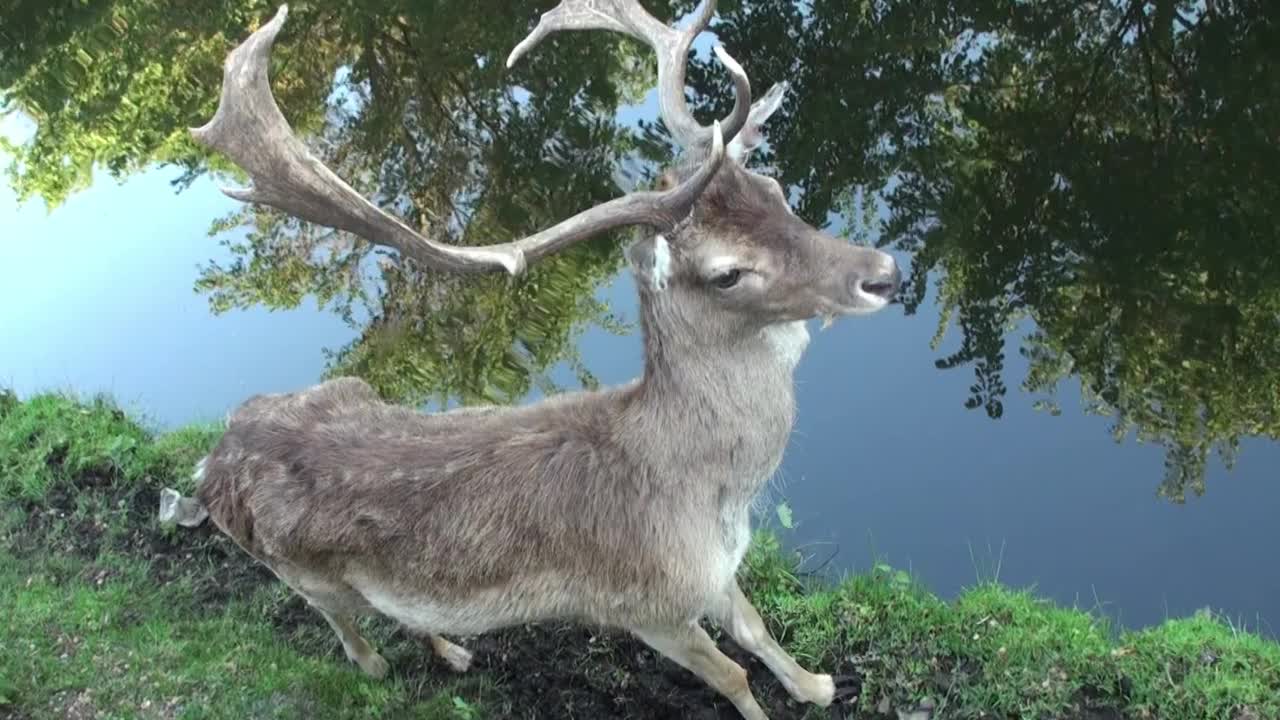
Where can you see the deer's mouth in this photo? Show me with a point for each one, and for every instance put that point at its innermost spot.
(879, 288)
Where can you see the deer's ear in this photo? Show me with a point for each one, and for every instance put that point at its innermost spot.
(650, 259)
(751, 136)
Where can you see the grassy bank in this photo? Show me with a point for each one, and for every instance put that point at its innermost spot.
(109, 615)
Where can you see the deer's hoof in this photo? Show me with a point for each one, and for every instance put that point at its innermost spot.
(824, 690)
(374, 665)
(457, 657)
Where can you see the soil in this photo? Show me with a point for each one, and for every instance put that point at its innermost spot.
(573, 671)
(229, 573)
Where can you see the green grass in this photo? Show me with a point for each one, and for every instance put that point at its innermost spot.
(89, 627)
(1000, 652)
(126, 647)
(54, 440)
(107, 613)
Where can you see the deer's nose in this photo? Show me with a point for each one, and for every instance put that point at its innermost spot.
(878, 282)
(884, 288)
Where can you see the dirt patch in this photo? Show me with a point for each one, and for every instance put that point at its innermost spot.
(219, 570)
(1090, 704)
(55, 524)
(558, 670)
(561, 670)
(74, 705)
(121, 518)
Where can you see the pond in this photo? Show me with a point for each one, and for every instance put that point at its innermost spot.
(1079, 389)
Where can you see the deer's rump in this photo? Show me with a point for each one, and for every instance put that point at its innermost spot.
(334, 471)
(276, 469)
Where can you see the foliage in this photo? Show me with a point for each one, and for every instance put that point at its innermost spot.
(1107, 171)
(411, 103)
(116, 83)
(997, 651)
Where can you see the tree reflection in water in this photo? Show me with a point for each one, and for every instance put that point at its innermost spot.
(1106, 170)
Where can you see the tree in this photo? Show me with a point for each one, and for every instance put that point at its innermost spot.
(116, 84)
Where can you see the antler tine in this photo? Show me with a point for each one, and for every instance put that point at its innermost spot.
(671, 46)
(249, 128)
(752, 135)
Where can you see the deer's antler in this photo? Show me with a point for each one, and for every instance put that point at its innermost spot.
(249, 128)
(671, 46)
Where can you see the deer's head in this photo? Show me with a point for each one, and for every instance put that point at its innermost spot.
(725, 257)
(743, 261)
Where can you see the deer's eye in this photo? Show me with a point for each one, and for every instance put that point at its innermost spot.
(727, 279)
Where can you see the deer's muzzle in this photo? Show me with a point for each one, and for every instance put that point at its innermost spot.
(872, 282)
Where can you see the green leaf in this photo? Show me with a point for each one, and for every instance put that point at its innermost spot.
(784, 515)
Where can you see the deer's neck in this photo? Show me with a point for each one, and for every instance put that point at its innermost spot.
(715, 372)
(722, 412)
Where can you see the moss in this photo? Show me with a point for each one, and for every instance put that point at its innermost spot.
(109, 613)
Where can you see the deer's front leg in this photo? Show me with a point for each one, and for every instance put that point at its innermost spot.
(736, 614)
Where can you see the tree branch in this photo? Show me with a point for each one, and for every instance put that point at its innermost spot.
(1125, 21)
(1145, 40)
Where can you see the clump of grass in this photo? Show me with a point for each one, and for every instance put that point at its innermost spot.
(117, 643)
(56, 440)
(1202, 661)
(1000, 652)
(109, 614)
(1028, 657)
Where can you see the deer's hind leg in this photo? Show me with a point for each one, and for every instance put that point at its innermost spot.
(338, 604)
(458, 657)
(692, 648)
(357, 648)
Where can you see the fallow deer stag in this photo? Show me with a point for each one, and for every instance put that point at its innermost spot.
(626, 507)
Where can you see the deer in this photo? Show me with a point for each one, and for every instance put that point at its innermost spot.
(624, 507)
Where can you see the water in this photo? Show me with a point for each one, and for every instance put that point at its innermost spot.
(1136, 254)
